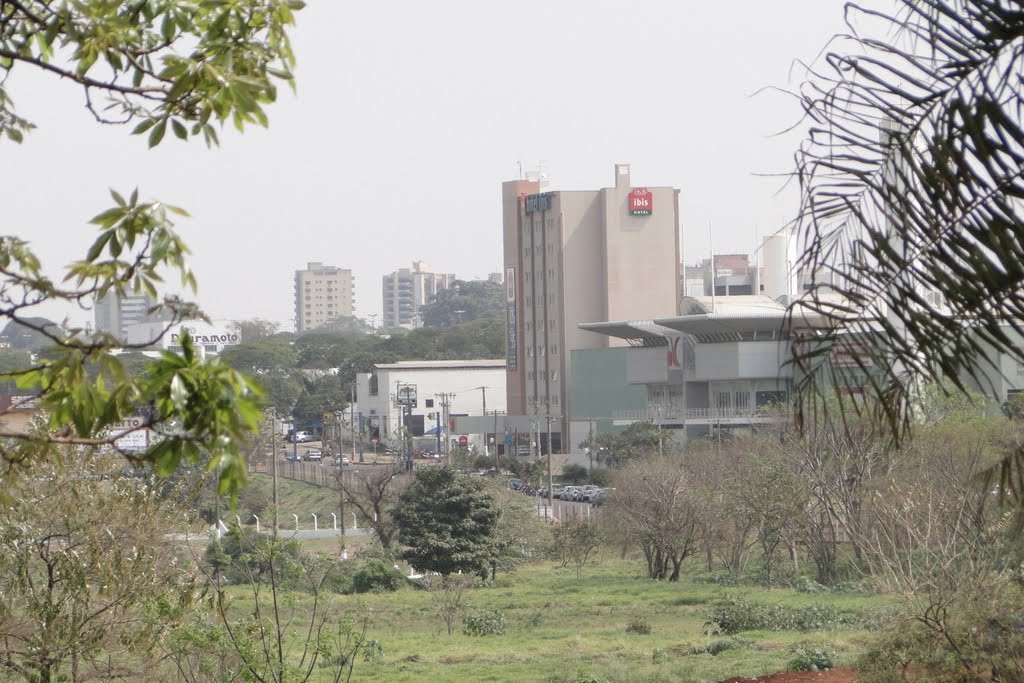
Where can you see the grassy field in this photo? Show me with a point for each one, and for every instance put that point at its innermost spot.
(560, 628)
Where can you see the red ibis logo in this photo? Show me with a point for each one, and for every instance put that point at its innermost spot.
(641, 202)
(673, 352)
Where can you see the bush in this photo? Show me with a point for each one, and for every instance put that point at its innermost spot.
(377, 576)
(736, 615)
(484, 623)
(811, 658)
(640, 628)
(716, 647)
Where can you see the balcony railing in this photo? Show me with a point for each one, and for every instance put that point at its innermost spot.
(674, 414)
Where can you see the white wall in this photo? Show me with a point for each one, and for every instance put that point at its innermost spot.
(738, 360)
(464, 383)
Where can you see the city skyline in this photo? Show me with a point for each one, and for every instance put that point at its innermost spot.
(395, 145)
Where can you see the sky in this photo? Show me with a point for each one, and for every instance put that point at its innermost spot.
(408, 116)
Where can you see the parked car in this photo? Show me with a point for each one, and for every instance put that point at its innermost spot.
(589, 491)
(314, 454)
(301, 437)
(570, 493)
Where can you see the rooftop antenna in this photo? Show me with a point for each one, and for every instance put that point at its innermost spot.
(757, 261)
(714, 273)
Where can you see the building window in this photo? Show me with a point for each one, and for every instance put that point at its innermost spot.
(529, 352)
(554, 375)
(541, 351)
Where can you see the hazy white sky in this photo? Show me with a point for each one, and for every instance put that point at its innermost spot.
(408, 116)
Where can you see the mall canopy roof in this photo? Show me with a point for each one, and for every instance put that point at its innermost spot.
(713, 319)
(636, 332)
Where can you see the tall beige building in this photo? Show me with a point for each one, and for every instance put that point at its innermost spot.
(407, 290)
(322, 294)
(579, 256)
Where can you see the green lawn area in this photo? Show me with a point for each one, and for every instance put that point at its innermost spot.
(562, 629)
(559, 628)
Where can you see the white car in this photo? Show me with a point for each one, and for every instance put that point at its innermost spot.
(314, 454)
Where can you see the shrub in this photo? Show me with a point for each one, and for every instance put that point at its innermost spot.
(714, 647)
(811, 658)
(377, 576)
(484, 623)
(640, 628)
(736, 615)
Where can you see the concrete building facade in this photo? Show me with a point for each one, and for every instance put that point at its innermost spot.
(407, 290)
(322, 294)
(576, 256)
(455, 387)
(116, 314)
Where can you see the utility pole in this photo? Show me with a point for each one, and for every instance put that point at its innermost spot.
(483, 392)
(551, 495)
(445, 402)
(273, 459)
(352, 419)
(341, 487)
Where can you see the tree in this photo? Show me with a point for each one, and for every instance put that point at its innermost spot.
(576, 540)
(911, 181)
(180, 66)
(281, 639)
(520, 534)
(85, 592)
(574, 472)
(374, 491)
(465, 301)
(255, 329)
(447, 521)
(638, 440)
(657, 504)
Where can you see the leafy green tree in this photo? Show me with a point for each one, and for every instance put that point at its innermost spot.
(911, 186)
(465, 301)
(85, 592)
(520, 534)
(183, 67)
(255, 329)
(638, 440)
(447, 521)
(574, 473)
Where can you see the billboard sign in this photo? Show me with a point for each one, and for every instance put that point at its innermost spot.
(406, 395)
(130, 434)
(641, 202)
(511, 331)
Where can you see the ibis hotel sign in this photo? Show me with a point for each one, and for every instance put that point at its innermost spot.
(641, 202)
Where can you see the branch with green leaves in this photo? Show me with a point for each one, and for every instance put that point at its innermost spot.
(174, 64)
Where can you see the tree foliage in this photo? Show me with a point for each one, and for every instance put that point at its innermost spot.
(165, 65)
(465, 301)
(638, 440)
(177, 65)
(85, 591)
(447, 521)
(912, 182)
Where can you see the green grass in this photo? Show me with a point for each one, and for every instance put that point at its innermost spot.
(559, 628)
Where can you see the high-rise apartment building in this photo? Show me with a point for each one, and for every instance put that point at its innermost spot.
(322, 294)
(406, 290)
(115, 314)
(578, 256)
